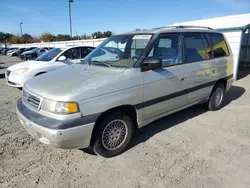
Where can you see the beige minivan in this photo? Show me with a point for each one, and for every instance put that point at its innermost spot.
(127, 82)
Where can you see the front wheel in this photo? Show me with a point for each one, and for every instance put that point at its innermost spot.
(113, 135)
(217, 97)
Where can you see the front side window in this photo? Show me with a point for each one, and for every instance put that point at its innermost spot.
(219, 45)
(168, 49)
(194, 48)
(85, 51)
(119, 51)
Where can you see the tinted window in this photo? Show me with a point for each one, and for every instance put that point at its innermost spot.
(85, 51)
(74, 53)
(219, 45)
(67, 54)
(167, 48)
(207, 46)
(194, 48)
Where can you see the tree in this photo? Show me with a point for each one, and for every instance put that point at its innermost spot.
(62, 37)
(26, 38)
(15, 40)
(97, 35)
(107, 34)
(47, 37)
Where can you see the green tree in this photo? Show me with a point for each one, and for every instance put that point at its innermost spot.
(97, 35)
(61, 37)
(107, 33)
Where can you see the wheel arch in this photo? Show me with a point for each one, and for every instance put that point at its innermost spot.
(222, 81)
(128, 109)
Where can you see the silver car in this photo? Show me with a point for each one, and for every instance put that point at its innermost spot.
(127, 82)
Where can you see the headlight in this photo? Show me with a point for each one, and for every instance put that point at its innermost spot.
(60, 107)
(19, 71)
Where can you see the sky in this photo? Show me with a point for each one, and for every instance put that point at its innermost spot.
(88, 16)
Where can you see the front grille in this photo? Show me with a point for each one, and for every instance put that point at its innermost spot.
(31, 100)
(8, 73)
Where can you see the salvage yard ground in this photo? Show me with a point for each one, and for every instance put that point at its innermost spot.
(192, 148)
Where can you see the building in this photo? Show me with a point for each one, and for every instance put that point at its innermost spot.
(236, 28)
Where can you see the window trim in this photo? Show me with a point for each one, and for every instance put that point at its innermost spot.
(184, 46)
(209, 34)
(180, 46)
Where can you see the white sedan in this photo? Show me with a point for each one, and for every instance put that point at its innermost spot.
(56, 58)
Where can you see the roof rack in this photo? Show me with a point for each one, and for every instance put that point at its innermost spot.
(183, 27)
(191, 26)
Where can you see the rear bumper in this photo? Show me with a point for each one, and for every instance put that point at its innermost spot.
(69, 138)
(229, 83)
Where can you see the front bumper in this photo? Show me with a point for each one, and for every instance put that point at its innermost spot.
(68, 138)
(15, 81)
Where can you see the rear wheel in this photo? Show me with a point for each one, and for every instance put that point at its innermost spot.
(113, 135)
(217, 97)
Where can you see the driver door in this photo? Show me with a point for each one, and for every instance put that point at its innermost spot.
(164, 88)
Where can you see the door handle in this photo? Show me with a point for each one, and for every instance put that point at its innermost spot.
(183, 79)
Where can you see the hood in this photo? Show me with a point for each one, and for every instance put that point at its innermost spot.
(76, 82)
(27, 64)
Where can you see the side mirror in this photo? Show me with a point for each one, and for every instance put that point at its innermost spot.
(151, 63)
(62, 58)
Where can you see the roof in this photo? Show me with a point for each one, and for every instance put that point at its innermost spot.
(170, 29)
(240, 20)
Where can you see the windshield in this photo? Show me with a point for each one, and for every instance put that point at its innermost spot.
(119, 51)
(47, 56)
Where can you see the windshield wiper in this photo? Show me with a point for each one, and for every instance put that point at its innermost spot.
(101, 62)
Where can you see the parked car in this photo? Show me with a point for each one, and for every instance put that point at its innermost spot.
(151, 73)
(6, 50)
(34, 53)
(16, 75)
(3, 51)
(12, 52)
(17, 52)
(25, 50)
(30, 55)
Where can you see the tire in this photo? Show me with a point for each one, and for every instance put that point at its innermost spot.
(217, 97)
(115, 123)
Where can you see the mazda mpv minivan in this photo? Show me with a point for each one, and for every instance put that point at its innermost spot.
(127, 82)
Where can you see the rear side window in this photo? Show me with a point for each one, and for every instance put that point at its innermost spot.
(207, 46)
(194, 48)
(219, 45)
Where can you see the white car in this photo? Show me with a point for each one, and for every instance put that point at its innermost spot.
(56, 58)
(11, 52)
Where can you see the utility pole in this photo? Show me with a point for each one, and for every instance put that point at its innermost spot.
(21, 23)
(70, 24)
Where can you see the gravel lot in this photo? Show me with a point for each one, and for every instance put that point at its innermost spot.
(192, 148)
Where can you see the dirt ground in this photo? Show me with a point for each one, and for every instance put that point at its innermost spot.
(192, 148)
